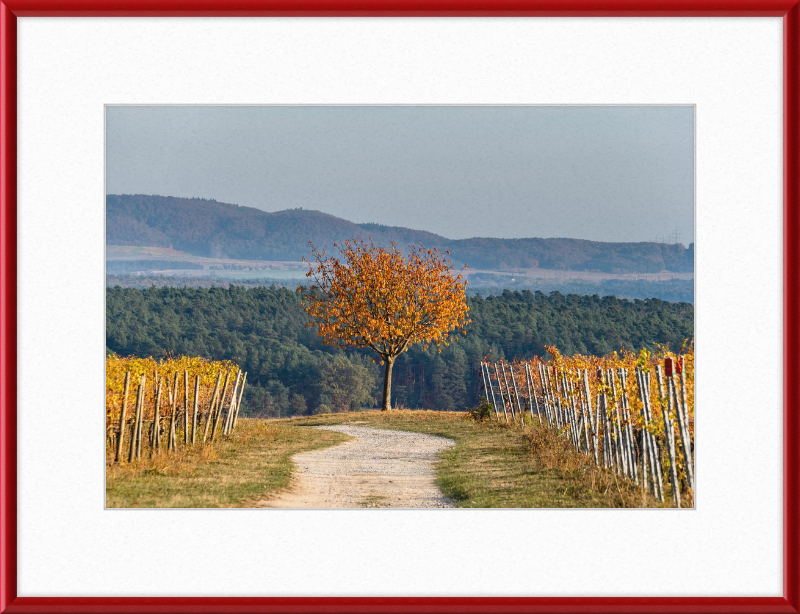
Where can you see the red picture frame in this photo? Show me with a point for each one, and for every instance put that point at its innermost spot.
(789, 10)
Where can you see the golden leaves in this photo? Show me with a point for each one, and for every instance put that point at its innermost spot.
(571, 369)
(376, 298)
(118, 366)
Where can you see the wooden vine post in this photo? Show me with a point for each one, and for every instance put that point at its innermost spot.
(508, 392)
(683, 422)
(220, 406)
(669, 432)
(232, 406)
(633, 462)
(239, 401)
(485, 386)
(194, 408)
(592, 424)
(137, 420)
(155, 442)
(186, 407)
(500, 386)
(545, 400)
(212, 407)
(172, 442)
(122, 416)
(608, 444)
(622, 453)
(516, 393)
(569, 391)
(487, 379)
(584, 414)
(654, 447)
(532, 393)
(655, 464)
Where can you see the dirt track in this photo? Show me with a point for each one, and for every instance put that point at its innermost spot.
(380, 468)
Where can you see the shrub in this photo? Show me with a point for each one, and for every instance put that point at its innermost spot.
(482, 412)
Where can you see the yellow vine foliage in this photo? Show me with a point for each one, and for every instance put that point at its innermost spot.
(566, 368)
(376, 298)
(154, 370)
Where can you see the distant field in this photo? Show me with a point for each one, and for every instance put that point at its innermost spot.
(557, 275)
(128, 266)
(283, 269)
(167, 262)
(121, 252)
(675, 290)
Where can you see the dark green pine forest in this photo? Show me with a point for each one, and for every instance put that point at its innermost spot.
(290, 372)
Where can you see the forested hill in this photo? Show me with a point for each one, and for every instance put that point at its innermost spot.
(291, 372)
(212, 229)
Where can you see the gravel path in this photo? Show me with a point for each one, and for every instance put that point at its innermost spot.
(379, 469)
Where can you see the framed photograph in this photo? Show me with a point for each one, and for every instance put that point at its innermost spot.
(223, 320)
(209, 211)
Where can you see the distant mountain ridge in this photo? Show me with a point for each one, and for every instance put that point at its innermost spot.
(220, 230)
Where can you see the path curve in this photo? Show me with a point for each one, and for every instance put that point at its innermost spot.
(380, 468)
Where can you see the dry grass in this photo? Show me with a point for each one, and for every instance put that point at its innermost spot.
(499, 465)
(236, 470)
(554, 452)
(492, 465)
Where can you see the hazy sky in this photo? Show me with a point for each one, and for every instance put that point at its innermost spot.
(601, 173)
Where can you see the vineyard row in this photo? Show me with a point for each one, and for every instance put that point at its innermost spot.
(218, 408)
(634, 416)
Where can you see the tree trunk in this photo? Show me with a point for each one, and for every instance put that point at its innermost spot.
(387, 385)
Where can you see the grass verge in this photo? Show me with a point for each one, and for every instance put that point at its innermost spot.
(236, 471)
(492, 465)
(497, 465)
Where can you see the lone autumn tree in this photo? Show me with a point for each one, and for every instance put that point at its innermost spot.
(375, 298)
